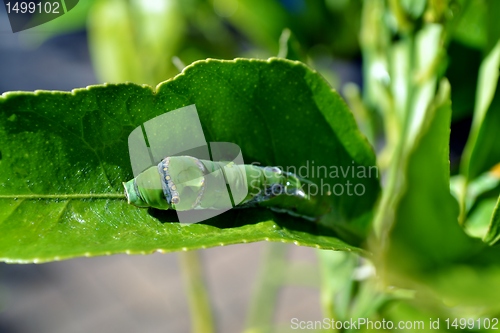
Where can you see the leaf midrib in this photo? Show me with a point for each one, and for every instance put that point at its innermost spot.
(64, 196)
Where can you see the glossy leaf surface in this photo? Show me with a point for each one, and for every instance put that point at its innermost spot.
(65, 155)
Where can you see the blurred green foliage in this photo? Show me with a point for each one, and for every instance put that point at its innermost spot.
(136, 40)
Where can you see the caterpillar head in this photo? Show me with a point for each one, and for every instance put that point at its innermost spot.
(146, 190)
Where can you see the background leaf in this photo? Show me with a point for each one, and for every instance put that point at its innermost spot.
(482, 151)
(493, 234)
(135, 41)
(75, 144)
(426, 235)
(428, 250)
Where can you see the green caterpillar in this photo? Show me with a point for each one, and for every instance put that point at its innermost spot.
(185, 183)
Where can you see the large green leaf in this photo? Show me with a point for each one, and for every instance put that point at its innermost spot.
(63, 157)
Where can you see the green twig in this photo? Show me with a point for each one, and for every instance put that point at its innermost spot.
(199, 304)
(404, 23)
(270, 279)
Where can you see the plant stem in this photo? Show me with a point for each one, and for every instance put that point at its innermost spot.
(201, 312)
(404, 24)
(270, 280)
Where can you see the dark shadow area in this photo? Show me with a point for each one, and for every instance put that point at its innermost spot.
(458, 138)
(164, 216)
(240, 217)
